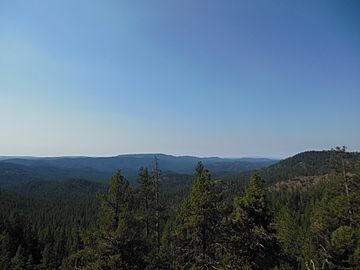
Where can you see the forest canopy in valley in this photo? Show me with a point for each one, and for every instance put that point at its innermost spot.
(301, 213)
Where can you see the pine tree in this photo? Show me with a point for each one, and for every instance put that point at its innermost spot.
(19, 260)
(48, 260)
(335, 218)
(340, 162)
(197, 225)
(5, 249)
(288, 235)
(118, 243)
(251, 241)
(30, 263)
(147, 199)
(156, 177)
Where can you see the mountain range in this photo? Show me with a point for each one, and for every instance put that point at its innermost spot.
(17, 170)
(100, 168)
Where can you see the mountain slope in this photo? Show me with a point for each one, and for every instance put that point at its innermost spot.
(131, 163)
(309, 163)
(11, 173)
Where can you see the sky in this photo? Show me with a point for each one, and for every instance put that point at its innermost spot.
(191, 77)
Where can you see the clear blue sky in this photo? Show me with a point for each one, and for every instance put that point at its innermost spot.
(224, 78)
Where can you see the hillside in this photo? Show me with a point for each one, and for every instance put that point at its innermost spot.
(131, 163)
(63, 212)
(309, 163)
(11, 173)
(99, 169)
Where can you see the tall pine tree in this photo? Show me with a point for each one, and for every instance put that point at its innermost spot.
(118, 243)
(251, 242)
(197, 225)
(19, 260)
(147, 197)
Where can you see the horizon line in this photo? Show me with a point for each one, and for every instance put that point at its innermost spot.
(159, 153)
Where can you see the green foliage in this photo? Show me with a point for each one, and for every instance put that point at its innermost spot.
(19, 260)
(287, 230)
(196, 231)
(118, 242)
(36, 223)
(308, 163)
(147, 200)
(323, 222)
(251, 241)
(214, 224)
(343, 241)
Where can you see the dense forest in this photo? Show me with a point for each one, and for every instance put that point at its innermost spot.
(300, 213)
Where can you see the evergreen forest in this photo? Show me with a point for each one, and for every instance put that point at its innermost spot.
(299, 213)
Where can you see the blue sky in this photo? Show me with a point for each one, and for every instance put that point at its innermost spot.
(206, 78)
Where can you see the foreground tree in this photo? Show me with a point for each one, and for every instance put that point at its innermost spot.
(5, 244)
(146, 200)
(19, 260)
(118, 243)
(196, 232)
(251, 241)
(335, 222)
(156, 178)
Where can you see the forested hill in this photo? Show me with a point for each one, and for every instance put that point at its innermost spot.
(186, 221)
(309, 163)
(11, 173)
(131, 163)
(305, 164)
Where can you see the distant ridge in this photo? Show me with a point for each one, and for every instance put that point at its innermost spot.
(100, 168)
